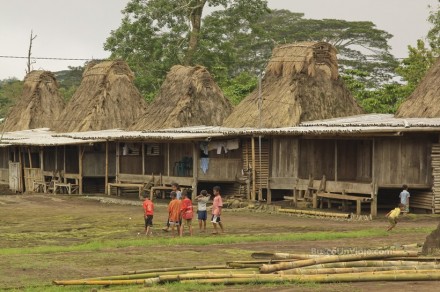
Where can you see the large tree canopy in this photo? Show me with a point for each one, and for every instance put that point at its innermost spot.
(235, 39)
(157, 34)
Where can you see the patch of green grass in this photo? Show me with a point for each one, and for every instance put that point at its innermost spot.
(222, 239)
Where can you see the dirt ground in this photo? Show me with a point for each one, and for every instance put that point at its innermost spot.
(30, 225)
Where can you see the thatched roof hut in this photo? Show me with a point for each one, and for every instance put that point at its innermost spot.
(188, 97)
(39, 105)
(424, 101)
(301, 83)
(105, 99)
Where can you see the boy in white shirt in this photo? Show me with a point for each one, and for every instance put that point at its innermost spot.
(202, 215)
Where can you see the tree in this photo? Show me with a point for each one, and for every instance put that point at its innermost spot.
(247, 45)
(157, 34)
(414, 67)
(434, 32)
(10, 90)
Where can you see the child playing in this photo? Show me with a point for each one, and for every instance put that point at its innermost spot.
(148, 215)
(202, 199)
(186, 210)
(404, 198)
(174, 213)
(217, 210)
(393, 215)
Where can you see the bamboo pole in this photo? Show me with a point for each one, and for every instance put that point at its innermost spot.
(187, 268)
(301, 271)
(427, 275)
(99, 282)
(157, 274)
(317, 213)
(277, 256)
(332, 259)
(389, 263)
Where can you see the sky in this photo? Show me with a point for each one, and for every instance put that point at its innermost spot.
(78, 29)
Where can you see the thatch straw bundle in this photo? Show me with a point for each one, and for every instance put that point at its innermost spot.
(106, 99)
(188, 97)
(40, 103)
(424, 101)
(301, 84)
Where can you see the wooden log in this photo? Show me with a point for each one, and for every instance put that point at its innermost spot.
(336, 258)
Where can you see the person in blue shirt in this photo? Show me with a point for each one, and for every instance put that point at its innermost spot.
(404, 198)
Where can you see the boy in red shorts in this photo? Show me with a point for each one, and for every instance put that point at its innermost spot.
(148, 215)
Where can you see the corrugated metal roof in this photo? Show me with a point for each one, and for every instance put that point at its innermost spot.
(370, 124)
(38, 137)
(375, 120)
(139, 135)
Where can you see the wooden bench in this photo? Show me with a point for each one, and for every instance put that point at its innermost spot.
(348, 191)
(140, 187)
(68, 187)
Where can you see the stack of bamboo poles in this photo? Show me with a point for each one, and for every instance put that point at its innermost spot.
(383, 265)
(435, 162)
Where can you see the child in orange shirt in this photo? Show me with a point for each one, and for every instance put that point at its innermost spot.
(148, 215)
(174, 213)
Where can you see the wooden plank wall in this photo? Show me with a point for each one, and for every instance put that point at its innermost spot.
(221, 170)
(403, 160)
(317, 157)
(354, 160)
(131, 163)
(72, 163)
(177, 152)
(435, 195)
(247, 160)
(4, 165)
(284, 160)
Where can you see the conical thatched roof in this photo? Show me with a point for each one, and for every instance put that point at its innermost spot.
(188, 97)
(301, 83)
(105, 99)
(424, 102)
(39, 105)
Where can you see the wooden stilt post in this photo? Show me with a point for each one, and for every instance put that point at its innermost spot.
(117, 161)
(195, 167)
(248, 179)
(143, 158)
(42, 162)
(106, 168)
(21, 161)
(336, 161)
(373, 206)
(56, 157)
(80, 180)
(168, 159)
(64, 161)
(269, 192)
(253, 193)
(30, 157)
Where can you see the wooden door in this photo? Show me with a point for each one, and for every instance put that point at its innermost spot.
(15, 176)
